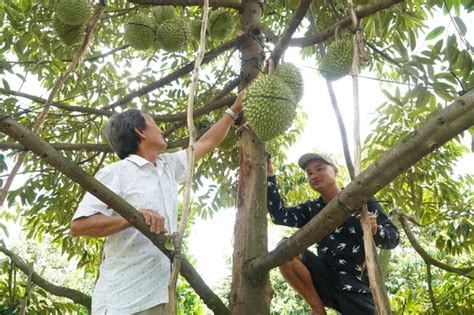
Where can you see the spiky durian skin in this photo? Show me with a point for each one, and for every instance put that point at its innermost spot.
(195, 26)
(73, 12)
(69, 34)
(292, 77)
(337, 62)
(164, 13)
(269, 107)
(173, 35)
(230, 141)
(220, 24)
(139, 31)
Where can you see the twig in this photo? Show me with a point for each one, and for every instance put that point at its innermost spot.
(381, 301)
(337, 112)
(429, 279)
(74, 295)
(191, 158)
(426, 257)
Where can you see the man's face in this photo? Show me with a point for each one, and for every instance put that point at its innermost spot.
(321, 175)
(152, 134)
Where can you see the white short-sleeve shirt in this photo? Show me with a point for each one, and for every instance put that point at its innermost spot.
(134, 273)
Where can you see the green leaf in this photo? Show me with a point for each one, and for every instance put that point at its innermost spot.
(461, 26)
(435, 33)
(6, 85)
(423, 97)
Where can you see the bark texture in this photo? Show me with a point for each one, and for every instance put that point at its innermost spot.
(250, 295)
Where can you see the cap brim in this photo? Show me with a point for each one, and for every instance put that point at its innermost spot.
(306, 158)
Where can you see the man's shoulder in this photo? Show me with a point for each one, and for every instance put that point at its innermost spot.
(116, 167)
(172, 157)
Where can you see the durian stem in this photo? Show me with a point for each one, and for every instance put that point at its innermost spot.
(332, 96)
(190, 168)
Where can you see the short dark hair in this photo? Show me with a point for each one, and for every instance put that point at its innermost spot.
(120, 134)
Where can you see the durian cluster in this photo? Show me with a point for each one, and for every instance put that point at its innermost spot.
(337, 62)
(70, 18)
(162, 28)
(270, 101)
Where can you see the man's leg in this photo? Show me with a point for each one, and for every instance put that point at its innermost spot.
(299, 278)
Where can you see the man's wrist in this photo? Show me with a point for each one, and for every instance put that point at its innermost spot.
(229, 111)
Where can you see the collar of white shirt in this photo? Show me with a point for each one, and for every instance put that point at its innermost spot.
(139, 161)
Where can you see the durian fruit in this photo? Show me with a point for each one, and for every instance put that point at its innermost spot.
(173, 35)
(140, 31)
(69, 34)
(292, 77)
(338, 59)
(163, 13)
(230, 141)
(269, 107)
(220, 24)
(195, 26)
(73, 12)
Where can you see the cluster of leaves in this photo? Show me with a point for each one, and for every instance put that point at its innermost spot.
(46, 202)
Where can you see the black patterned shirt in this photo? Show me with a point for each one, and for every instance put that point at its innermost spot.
(343, 249)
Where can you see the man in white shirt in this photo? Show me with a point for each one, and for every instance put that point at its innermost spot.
(134, 273)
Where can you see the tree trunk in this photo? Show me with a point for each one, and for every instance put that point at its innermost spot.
(250, 295)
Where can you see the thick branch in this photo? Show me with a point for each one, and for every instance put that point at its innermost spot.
(90, 184)
(64, 106)
(159, 118)
(434, 132)
(282, 43)
(426, 257)
(92, 58)
(89, 147)
(74, 295)
(188, 3)
(210, 55)
(346, 22)
(198, 112)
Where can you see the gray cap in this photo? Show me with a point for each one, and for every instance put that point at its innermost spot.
(306, 158)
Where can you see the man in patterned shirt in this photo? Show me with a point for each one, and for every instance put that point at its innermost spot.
(336, 277)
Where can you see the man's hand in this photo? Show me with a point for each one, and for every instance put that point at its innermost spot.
(270, 171)
(238, 103)
(154, 220)
(373, 223)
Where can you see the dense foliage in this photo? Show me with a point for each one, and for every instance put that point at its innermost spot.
(429, 58)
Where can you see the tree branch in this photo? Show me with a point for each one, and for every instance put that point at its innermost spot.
(282, 43)
(187, 3)
(210, 55)
(88, 147)
(429, 279)
(335, 106)
(215, 104)
(346, 22)
(439, 128)
(59, 105)
(426, 257)
(92, 58)
(52, 157)
(74, 295)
